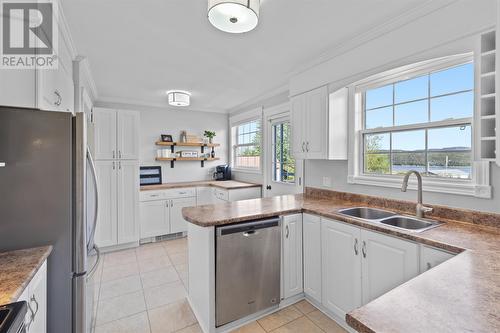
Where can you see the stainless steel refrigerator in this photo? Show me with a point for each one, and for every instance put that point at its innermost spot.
(48, 196)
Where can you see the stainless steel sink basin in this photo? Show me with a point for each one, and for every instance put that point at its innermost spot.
(409, 223)
(366, 213)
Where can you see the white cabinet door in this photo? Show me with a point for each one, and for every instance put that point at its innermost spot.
(292, 255)
(387, 263)
(317, 123)
(297, 122)
(204, 196)
(312, 256)
(106, 230)
(177, 222)
(18, 88)
(37, 300)
(341, 257)
(127, 142)
(128, 201)
(155, 218)
(104, 134)
(431, 257)
(244, 193)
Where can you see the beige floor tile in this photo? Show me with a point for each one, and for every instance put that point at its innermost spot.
(191, 329)
(171, 317)
(301, 325)
(176, 246)
(151, 251)
(159, 277)
(120, 307)
(304, 306)
(253, 327)
(120, 257)
(119, 271)
(151, 264)
(120, 287)
(164, 294)
(178, 258)
(279, 318)
(325, 323)
(138, 323)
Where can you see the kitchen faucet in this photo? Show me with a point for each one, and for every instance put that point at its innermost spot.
(421, 209)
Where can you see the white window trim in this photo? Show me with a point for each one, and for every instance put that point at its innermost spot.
(240, 118)
(479, 186)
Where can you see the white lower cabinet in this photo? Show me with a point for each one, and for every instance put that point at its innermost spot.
(312, 256)
(387, 263)
(341, 258)
(177, 222)
(155, 218)
(118, 218)
(431, 257)
(35, 295)
(292, 255)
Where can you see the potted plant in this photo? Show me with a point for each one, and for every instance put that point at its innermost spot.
(210, 135)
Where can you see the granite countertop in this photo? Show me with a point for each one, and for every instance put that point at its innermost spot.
(462, 294)
(224, 184)
(17, 268)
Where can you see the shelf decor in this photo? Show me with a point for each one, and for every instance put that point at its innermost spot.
(202, 146)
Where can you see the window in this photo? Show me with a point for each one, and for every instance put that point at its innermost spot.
(247, 147)
(421, 123)
(283, 163)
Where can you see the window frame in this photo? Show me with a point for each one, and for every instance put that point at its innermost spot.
(478, 185)
(235, 145)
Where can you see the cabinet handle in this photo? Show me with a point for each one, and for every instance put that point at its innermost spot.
(429, 266)
(287, 231)
(154, 195)
(363, 249)
(356, 250)
(307, 146)
(120, 165)
(33, 314)
(113, 165)
(59, 98)
(171, 203)
(31, 317)
(113, 154)
(119, 154)
(303, 149)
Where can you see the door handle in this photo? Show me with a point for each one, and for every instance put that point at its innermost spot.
(268, 187)
(356, 250)
(429, 266)
(96, 194)
(98, 254)
(363, 249)
(249, 233)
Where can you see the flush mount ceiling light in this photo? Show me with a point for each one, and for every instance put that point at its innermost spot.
(178, 97)
(234, 16)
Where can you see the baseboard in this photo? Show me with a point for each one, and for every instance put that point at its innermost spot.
(119, 247)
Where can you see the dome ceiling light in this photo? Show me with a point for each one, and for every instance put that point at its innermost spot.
(179, 98)
(234, 16)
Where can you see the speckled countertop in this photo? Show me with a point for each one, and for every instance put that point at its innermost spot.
(17, 268)
(224, 184)
(460, 295)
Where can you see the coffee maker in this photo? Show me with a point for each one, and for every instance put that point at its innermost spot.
(222, 172)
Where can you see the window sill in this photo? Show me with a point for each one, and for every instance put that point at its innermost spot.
(467, 188)
(252, 171)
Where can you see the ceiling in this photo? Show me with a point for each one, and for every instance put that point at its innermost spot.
(137, 50)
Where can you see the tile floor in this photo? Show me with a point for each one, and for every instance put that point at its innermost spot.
(143, 290)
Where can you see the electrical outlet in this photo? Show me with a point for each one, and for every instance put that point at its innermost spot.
(327, 181)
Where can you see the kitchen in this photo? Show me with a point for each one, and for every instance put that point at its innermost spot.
(230, 179)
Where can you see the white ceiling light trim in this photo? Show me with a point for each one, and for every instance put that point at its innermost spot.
(179, 98)
(234, 16)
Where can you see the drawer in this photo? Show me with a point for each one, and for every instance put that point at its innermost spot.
(181, 192)
(153, 195)
(222, 194)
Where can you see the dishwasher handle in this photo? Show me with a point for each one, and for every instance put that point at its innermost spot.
(248, 228)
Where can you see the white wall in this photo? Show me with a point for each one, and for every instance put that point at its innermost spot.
(156, 121)
(450, 30)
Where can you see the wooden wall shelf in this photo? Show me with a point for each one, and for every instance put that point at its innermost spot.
(172, 160)
(187, 144)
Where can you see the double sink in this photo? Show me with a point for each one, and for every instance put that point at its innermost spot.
(390, 219)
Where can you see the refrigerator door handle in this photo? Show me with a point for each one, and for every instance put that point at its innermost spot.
(93, 269)
(96, 193)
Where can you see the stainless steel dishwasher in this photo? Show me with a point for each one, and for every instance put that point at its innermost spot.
(247, 277)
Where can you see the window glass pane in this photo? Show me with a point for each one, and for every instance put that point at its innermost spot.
(450, 152)
(378, 97)
(413, 89)
(411, 113)
(377, 143)
(378, 117)
(404, 162)
(452, 106)
(377, 163)
(408, 141)
(452, 80)
(283, 163)
(247, 157)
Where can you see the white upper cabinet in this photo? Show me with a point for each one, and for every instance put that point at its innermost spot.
(127, 142)
(341, 257)
(387, 263)
(116, 134)
(319, 124)
(312, 256)
(292, 255)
